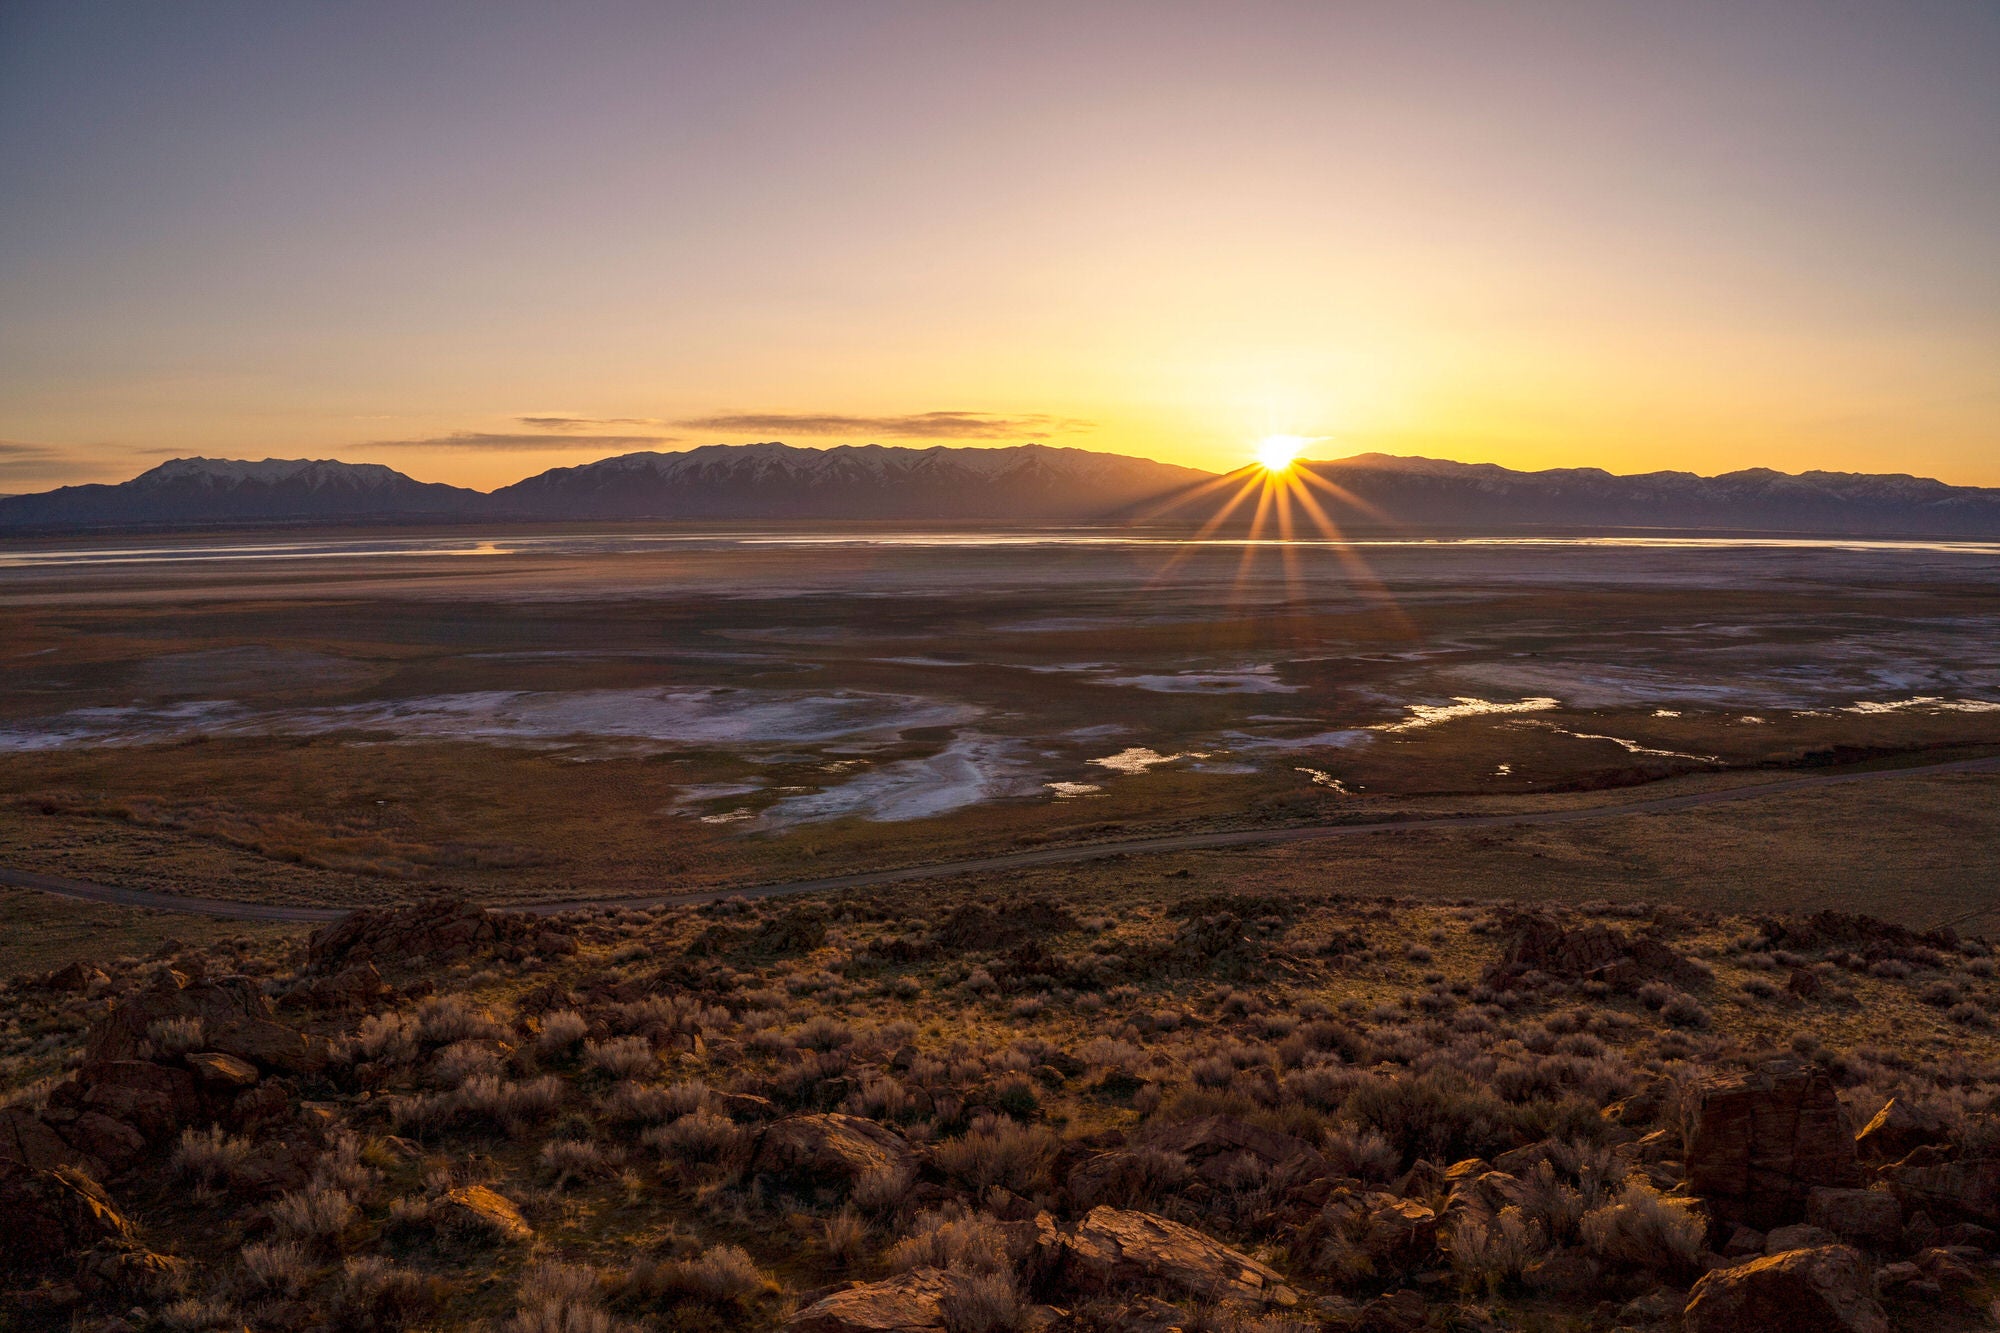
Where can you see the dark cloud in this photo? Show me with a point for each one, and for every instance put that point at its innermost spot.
(586, 423)
(502, 442)
(26, 449)
(921, 426)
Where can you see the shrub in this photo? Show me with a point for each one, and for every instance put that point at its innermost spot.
(313, 1215)
(1000, 1152)
(951, 1239)
(1644, 1229)
(722, 1275)
(699, 1136)
(1491, 1249)
(561, 1031)
(374, 1293)
(281, 1268)
(175, 1036)
(388, 1036)
(575, 1159)
(846, 1235)
(444, 1019)
(208, 1155)
(622, 1057)
(983, 1303)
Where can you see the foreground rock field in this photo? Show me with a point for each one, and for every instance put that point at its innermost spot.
(910, 1110)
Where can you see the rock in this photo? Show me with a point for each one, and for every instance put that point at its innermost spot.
(437, 930)
(1113, 1248)
(52, 1215)
(77, 977)
(477, 1210)
(1225, 1151)
(1744, 1241)
(1803, 984)
(1658, 1304)
(831, 1150)
(1424, 1180)
(912, 1302)
(1757, 1142)
(1397, 1312)
(1961, 1191)
(1871, 1218)
(1394, 1233)
(222, 1071)
(234, 1018)
(1896, 1129)
(112, 1142)
(28, 1140)
(157, 1100)
(1822, 1290)
(1642, 1108)
(351, 988)
(1969, 1235)
(1798, 1236)
(1587, 953)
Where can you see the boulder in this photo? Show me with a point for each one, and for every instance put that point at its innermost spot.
(911, 1302)
(1798, 1236)
(350, 988)
(1823, 1290)
(217, 1070)
(28, 1140)
(77, 977)
(1392, 1233)
(1113, 1249)
(234, 1018)
(437, 930)
(1540, 943)
(1396, 1312)
(831, 1150)
(157, 1100)
(1896, 1130)
(477, 1210)
(1870, 1218)
(1966, 1191)
(1758, 1142)
(51, 1215)
(112, 1142)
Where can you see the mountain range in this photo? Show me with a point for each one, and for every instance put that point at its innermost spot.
(1030, 484)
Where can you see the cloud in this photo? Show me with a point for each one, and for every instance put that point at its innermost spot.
(501, 442)
(569, 423)
(26, 449)
(920, 426)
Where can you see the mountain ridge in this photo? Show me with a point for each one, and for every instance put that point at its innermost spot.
(1030, 483)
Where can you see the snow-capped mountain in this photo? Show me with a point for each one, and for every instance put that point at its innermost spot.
(223, 490)
(1029, 483)
(1377, 490)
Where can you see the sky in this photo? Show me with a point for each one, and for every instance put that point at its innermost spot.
(474, 241)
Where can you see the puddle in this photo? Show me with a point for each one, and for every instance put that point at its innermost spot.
(1249, 680)
(669, 717)
(972, 769)
(1068, 790)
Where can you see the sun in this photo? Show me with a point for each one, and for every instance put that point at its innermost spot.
(1276, 453)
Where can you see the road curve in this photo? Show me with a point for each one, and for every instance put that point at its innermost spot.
(1180, 842)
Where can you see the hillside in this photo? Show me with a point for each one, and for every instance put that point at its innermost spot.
(215, 490)
(1195, 1111)
(1030, 483)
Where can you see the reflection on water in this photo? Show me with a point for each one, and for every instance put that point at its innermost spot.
(208, 550)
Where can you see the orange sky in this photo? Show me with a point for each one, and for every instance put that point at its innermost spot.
(477, 244)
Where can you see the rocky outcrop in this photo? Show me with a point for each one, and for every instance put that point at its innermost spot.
(1539, 943)
(1390, 1233)
(1898, 1129)
(1966, 1191)
(1869, 1218)
(832, 1150)
(229, 1015)
(911, 1302)
(350, 988)
(438, 930)
(1758, 1142)
(1113, 1249)
(51, 1215)
(1824, 1290)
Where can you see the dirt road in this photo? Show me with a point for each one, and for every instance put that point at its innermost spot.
(239, 911)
